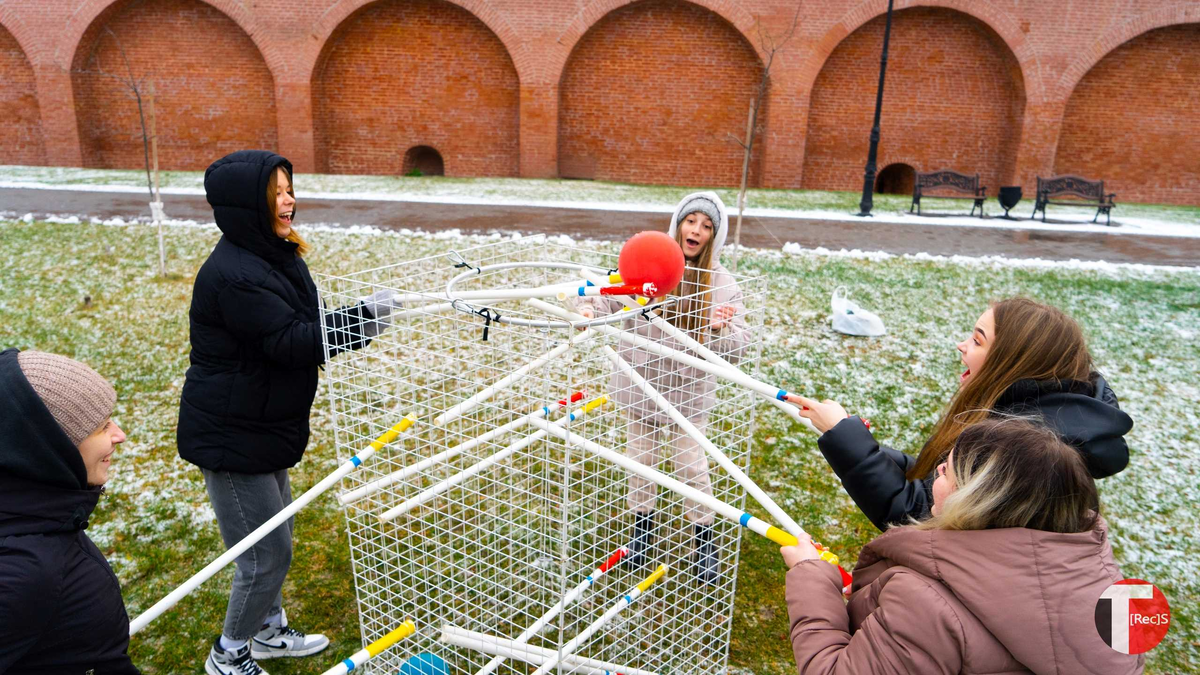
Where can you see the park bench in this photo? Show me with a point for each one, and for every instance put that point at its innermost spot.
(951, 180)
(1090, 193)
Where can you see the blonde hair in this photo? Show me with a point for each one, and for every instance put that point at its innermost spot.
(694, 292)
(1014, 473)
(1032, 341)
(303, 248)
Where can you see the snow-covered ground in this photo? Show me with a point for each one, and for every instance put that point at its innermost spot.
(1142, 323)
(789, 248)
(1141, 219)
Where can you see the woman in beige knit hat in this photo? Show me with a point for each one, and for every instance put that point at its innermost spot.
(60, 603)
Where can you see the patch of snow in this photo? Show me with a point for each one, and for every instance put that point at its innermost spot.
(471, 194)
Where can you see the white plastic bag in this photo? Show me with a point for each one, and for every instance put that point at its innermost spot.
(850, 319)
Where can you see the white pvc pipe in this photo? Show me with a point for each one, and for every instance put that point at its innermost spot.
(427, 495)
(479, 397)
(584, 635)
(445, 455)
(554, 611)
(748, 521)
(713, 451)
(491, 644)
(263, 530)
(590, 291)
(730, 374)
(708, 354)
(494, 294)
(374, 649)
(436, 308)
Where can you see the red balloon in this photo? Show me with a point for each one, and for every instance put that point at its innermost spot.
(651, 257)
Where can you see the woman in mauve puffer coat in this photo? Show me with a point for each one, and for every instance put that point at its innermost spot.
(1004, 577)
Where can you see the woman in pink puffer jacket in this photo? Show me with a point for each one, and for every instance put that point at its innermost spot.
(709, 309)
(1002, 578)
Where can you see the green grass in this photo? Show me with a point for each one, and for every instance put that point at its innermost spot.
(526, 189)
(156, 527)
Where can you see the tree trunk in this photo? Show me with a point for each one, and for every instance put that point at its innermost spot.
(748, 146)
(156, 207)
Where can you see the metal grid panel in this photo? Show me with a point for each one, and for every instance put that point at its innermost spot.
(501, 548)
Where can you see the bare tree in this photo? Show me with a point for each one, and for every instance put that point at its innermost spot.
(141, 90)
(770, 45)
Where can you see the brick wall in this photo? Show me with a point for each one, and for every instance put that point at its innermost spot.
(213, 91)
(650, 93)
(953, 100)
(20, 116)
(398, 75)
(641, 91)
(1133, 120)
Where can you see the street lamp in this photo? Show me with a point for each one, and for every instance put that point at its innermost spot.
(869, 177)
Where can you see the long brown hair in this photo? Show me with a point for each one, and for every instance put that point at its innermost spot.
(1032, 341)
(694, 292)
(302, 246)
(1013, 473)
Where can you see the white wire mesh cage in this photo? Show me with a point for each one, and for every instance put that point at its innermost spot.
(478, 527)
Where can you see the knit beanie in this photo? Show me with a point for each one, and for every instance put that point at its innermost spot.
(78, 398)
(702, 205)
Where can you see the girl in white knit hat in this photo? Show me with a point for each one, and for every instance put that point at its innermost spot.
(709, 309)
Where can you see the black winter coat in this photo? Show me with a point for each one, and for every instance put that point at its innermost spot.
(1085, 415)
(60, 603)
(255, 332)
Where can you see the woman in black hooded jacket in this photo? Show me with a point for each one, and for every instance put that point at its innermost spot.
(1023, 358)
(257, 342)
(60, 603)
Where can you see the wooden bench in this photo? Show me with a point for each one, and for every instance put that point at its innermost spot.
(952, 180)
(1090, 193)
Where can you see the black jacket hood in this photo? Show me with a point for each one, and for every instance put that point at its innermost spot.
(1085, 414)
(32, 445)
(43, 482)
(236, 188)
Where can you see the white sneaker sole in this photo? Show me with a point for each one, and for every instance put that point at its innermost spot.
(259, 656)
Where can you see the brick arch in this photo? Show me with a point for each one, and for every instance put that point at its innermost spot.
(11, 21)
(22, 140)
(459, 94)
(215, 93)
(669, 122)
(1118, 36)
(950, 104)
(1145, 148)
(89, 11)
(999, 21)
(483, 10)
(596, 10)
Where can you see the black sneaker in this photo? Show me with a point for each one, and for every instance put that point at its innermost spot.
(705, 563)
(231, 662)
(643, 539)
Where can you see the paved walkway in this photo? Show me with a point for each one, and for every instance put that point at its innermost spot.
(866, 234)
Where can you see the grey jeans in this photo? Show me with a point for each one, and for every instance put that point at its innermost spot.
(242, 502)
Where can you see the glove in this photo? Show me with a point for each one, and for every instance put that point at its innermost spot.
(377, 313)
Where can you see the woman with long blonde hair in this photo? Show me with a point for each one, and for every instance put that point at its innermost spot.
(1022, 357)
(257, 342)
(1003, 577)
(708, 307)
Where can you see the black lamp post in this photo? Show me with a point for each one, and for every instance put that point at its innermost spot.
(869, 177)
